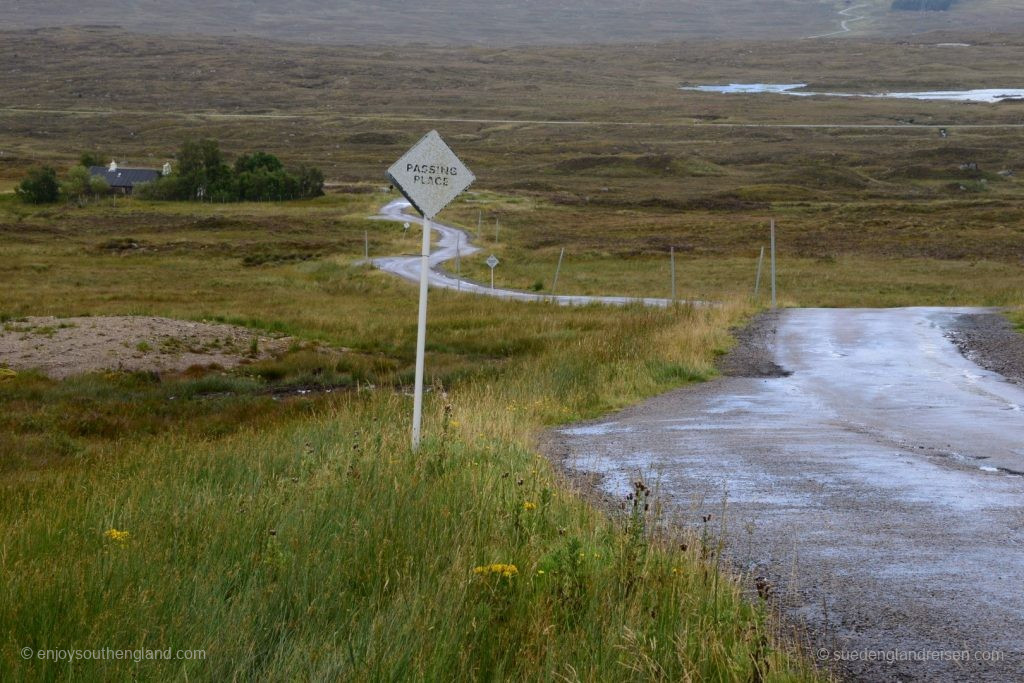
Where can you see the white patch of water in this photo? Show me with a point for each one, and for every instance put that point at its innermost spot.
(597, 430)
(747, 88)
(989, 95)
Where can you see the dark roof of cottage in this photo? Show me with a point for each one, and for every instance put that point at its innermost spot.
(125, 177)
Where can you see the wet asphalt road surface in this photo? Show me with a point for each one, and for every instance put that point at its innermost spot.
(878, 488)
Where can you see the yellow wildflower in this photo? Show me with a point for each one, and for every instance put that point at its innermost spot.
(115, 535)
(506, 570)
(529, 506)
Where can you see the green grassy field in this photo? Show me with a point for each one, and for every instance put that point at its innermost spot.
(878, 210)
(301, 538)
(955, 252)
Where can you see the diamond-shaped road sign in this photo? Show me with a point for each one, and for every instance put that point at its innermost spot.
(430, 175)
(492, 261)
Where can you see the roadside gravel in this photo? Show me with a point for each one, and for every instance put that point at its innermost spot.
(990, 340)
(752, 356)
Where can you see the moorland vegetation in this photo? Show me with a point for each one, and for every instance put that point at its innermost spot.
(296, 535)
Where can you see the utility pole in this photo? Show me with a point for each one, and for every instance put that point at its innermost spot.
(558, 268)
(757, 280)
(672, 258)
(458, 264)
(773, 264)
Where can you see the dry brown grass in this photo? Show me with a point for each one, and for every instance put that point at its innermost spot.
(500, 23)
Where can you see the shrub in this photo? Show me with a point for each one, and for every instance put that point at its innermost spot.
(88, 159)
(260, 176)
(166, 189)
(40, 186)
(80, 185)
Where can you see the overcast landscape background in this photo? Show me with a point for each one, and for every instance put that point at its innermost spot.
(495, 22)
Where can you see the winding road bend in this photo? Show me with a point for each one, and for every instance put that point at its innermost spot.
(453, 240)
(878, 487)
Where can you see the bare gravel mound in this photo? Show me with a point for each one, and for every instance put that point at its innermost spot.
(62, 347)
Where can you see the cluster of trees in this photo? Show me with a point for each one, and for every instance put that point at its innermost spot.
(42, 186)
(203, 174)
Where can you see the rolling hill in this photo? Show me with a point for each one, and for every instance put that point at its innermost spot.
(490, 22)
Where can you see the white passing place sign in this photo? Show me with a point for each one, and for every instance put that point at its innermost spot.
(430, 175)
(492, 261)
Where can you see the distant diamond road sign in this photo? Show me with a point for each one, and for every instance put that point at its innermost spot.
(492, 261)
(430, 175)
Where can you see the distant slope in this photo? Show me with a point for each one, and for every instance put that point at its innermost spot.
(441, 21)
(445, 21)
(500, 22)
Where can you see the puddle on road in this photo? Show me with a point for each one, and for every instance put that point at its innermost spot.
(690, 473)
(596, 430)
(618, 474)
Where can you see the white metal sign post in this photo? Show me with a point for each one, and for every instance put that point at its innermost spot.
(430, 176)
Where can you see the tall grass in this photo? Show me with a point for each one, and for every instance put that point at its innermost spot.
(325, 549)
